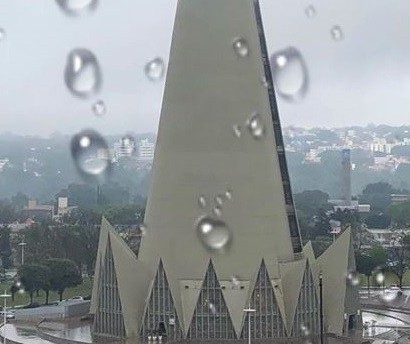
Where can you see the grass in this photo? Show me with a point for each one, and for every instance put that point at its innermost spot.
(83, 289)
(390, 278)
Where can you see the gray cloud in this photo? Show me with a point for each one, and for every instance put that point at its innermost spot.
(364, 78)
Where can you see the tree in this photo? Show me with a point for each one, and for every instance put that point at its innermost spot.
(42, 243)
(400, 256)
(82, 195)
(379, 256)
(310, 201)
(13, 290)
(33, 277)
(63, 274)
(19, 200)
(115, 194)
(377, 219)
(365, 265)
(125, 215)
(5, 247)
(7, 213)
(378, 196)
(321, 244)
(322, 225)
(400, 214)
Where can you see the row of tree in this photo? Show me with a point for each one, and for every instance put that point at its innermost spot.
(75, 238)
(51, 275)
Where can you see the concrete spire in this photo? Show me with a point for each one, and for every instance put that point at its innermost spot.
(219, 160)
(216, 134)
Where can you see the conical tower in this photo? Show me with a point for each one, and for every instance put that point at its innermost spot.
(221, 230)
(219, 153)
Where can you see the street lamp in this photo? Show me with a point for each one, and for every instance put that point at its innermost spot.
(22, 244)
(321, 305)
(4, 296)
(249, 310)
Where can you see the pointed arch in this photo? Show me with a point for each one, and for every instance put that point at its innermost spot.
(211, 319)
(266, 321)
(108, 320)
(160, 315)
(307, 309)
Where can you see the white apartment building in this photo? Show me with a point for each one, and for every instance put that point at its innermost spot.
(380, 145)
(146, 150)
(125, 147)
(3, 163)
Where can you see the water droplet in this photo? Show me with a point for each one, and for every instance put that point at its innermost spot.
(256, 126)
(336, 33)
(217, 211)
(99, 108)
(310, 11)
(235, 280)
(202, 202)
(154, 69)
(281, 60)
(228, 194)
(143, 229)
(82, 73)
(290, 74)
(241, 48)
(237, 130)
(214, 234)
(127, 146)
(353, 278)
(389, 296)
(77, 7)
(85, 142)
(2, 34)
(379, 277)
(212, 308)
(264, 82)
(219, 200)
(21, 291)
(91, 154)
(304, 330)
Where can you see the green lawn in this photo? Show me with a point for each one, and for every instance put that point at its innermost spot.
(23, 299)
(390, 278)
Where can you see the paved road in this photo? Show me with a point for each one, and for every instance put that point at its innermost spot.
(386, 298)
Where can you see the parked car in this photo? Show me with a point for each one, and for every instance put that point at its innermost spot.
(394, 288)
(9, 315)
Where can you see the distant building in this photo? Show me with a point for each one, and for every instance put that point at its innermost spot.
(346, 202)
(17, 226)
(125, 147)
(399, 198)
(353, 206)
(387, 237)
(62, 208)
(36, 211)
(312, 157)
(346, 176)
(3, 163)
(380, 145)
(146, 150)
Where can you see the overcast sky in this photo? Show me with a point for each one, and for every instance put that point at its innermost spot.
(361, 79)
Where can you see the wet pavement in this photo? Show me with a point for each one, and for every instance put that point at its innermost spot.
(379, 317)
(77, 332)
(22, 333)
